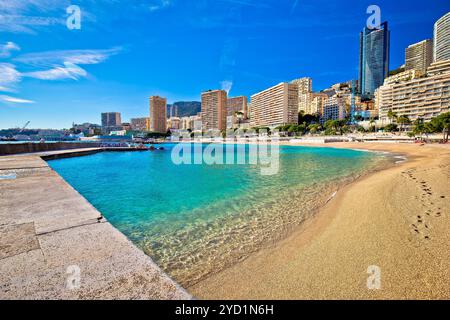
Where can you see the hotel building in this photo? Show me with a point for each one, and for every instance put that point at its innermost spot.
(416, 97)
(275, 106)
(237, 104)
(111, 119)
(373, 58)
(193, 123)
(158, 114)
(304, 94)
(140, 124)
(214, 110)
(174, 123)
(419, 56)
(317, 102)
(334, 108)
(442, 38)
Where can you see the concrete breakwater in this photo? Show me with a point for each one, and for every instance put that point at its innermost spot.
(28, 147)
(55, 245)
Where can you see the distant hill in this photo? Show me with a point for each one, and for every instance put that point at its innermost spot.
(184, 108)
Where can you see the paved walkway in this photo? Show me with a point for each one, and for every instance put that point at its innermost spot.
(49, 232)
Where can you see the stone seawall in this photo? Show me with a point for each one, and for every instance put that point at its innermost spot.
(55, 245)
(19, 148)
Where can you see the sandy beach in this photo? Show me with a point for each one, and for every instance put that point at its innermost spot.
(396, 220)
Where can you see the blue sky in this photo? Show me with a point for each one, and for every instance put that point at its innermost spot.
(126, 51)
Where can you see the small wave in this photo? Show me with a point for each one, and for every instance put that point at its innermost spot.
(402, 159)
(332, 196)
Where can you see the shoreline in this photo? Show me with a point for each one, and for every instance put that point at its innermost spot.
(250, 280)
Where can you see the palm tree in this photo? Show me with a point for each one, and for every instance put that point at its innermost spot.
(372, 123)
(313, 128)
(239, 115)
(392, 115)
(442, 122)
(403, 120)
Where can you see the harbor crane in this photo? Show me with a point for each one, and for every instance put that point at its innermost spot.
(23, 128)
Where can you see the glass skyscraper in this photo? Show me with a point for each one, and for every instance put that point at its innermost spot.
(373, 58)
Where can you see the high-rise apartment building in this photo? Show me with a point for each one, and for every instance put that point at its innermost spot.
(158, 114)
(419, 56)
(373, 58)
(304, 94)
(174, 123)
(422, 97)
(442, 38)
(275, 106)
(111, 119)
(140, 124)
(214, 110)
(404, 76)
(439, 67)
(334, 108)
(317, 102)
(237, 104)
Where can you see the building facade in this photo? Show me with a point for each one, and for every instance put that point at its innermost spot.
(419, 56)
(304, 94)
(158, 114)
(111, 119)
(373, 58)
(334, 108)
(237, 104)
(193, 123)
(214, 110)
(174, 123)
(423, 97)
(442, 38)
(275, 106)
(140, 124)
(317, 102)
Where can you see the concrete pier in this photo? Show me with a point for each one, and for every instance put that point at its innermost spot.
(56, 245)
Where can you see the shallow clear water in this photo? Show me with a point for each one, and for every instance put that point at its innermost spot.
(197, 219)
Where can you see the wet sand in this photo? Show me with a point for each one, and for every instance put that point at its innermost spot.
(396, 219)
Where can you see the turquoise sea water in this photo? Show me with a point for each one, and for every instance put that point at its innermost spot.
(197, 219)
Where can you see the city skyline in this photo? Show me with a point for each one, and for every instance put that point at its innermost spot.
(82, 82)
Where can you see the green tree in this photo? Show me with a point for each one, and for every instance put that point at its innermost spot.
(360, 129)
(403, 121)
(358, 118)
(442, 123)
(391, 115)
(372, 123)
(314, 128)
(392, 127)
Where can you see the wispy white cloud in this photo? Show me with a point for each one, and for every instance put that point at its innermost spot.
(52, 58)
(64, 64)
(27, 16)
(68, 71)
(5, 49)
(14, 6)
(47, 66)
(20, 16)
(14, 100)
(9, 77)
(159, 4)
(26, 24)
